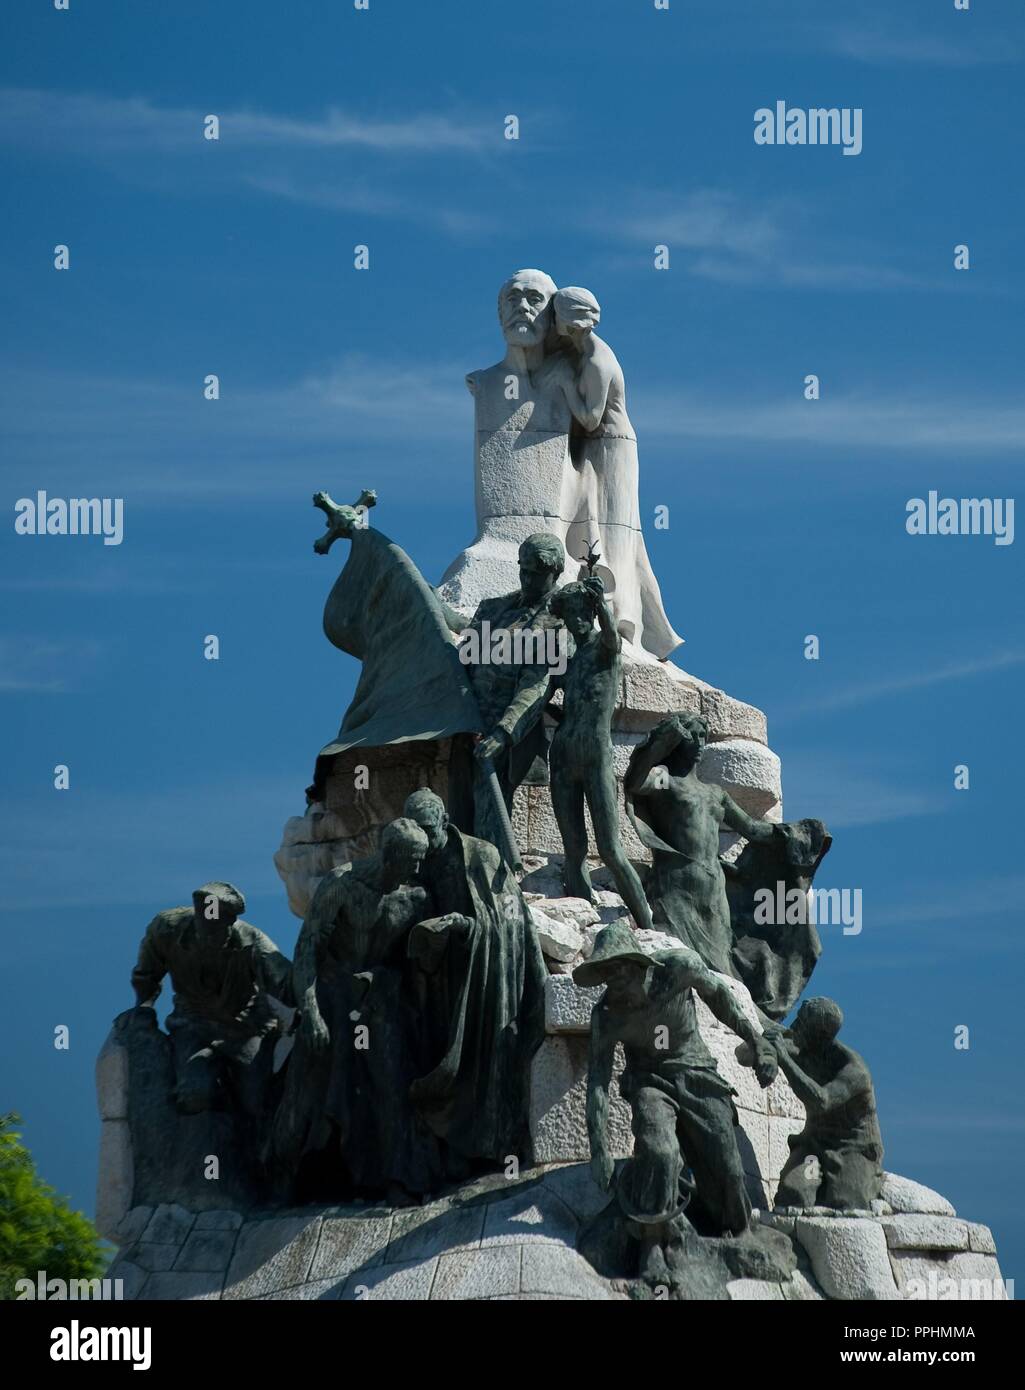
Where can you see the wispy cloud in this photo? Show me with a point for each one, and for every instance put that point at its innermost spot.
(331, 160)
(342, 195)
(161, 439)
(37, 666)
(742, 240)
(896, 44)
(33, 118)
(845, 793)
(963, 903)
(855, 419)
(869, 691)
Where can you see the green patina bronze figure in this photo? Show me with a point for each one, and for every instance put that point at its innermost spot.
(223, 970)
(678, 817)
(776, 943)
(506, 645)
(345, 1122)
(479, 982)
(581, 751)
(836, 1160)
(686, 1173)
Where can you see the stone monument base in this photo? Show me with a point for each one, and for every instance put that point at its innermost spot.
(511, 1240)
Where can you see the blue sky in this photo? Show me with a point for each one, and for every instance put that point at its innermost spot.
(787, 516)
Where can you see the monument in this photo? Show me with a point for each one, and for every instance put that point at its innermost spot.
(533, 1040)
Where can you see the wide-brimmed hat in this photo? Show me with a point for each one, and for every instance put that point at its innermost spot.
(614, 943)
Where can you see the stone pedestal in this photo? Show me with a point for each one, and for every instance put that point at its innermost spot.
(515, 1238)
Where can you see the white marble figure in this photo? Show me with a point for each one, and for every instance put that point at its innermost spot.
(555, 451)
(600, 498)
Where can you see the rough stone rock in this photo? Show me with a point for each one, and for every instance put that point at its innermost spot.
(753, 1290)
(568, 1006)
(346, 823)
(903, 1195)
(761, 1253)
(914, 1231)
(559, 940)
(848, 1256)
(978, 1276)
(159, 1155)
(574, 912)
(799, 1288)
(318, 1290)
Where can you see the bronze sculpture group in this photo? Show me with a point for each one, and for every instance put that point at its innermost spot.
(418, 982)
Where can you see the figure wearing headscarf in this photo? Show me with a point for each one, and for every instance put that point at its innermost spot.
(601, 503)
(347, 1089)
(481, 997)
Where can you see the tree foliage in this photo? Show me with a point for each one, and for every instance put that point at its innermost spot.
(38, 1229)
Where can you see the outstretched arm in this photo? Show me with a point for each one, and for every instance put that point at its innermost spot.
(646, 772)
(601, 1055)
(690, 970)
(610, 637)
(849, 1081)
(761, 831)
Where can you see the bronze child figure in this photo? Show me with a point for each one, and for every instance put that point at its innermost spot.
(581, 751)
